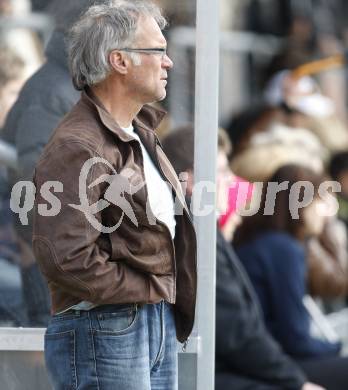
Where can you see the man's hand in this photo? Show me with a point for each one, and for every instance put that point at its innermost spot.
(311, 386)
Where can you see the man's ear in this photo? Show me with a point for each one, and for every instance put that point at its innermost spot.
(119, 62)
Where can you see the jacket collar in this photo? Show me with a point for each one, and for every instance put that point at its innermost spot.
(148, 117)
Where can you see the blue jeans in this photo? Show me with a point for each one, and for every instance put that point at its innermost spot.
(123, 347)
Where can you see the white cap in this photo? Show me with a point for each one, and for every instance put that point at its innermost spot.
(306, 97)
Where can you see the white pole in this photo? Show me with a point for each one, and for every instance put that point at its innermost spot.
(206, 125)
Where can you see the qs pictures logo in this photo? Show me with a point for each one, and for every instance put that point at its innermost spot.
(119, 185)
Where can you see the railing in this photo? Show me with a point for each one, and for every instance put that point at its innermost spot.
(22, 364)
(39, 22)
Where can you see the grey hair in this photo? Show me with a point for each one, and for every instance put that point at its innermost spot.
(101, 29)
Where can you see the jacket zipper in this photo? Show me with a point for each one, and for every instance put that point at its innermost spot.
(184, 346)
(190, 221)
(163, 224)
(157, 220)
(171, 240)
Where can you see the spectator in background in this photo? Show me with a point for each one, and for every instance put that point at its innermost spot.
(279, 144)
(298, 126)
(11, 81)
(271, 247)
(16, 34)
(46, 97)
(292, 126)
(316, 111)
(310, 29)
(338, 170)
(327, 260)
(327, 254)
(40, 5)
(246, 354)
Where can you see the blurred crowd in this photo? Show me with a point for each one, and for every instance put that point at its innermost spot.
(279, 275)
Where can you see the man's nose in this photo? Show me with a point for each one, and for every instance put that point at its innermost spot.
(167, 62)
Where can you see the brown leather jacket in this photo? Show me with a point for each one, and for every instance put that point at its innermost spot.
(132, 264)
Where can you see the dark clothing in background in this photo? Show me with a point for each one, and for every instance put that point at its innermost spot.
(331, 373)
(39, 5)
(45, 98)
(247, 357)
(246, 354)
(276, 265)
(343, 209)
(276, 17)
(269, 17)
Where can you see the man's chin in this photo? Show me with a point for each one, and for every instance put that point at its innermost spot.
(162, 96)
(159, 97)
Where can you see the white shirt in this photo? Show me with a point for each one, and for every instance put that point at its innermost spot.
(159, 192)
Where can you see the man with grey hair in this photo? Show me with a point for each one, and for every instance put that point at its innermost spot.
(119, 260)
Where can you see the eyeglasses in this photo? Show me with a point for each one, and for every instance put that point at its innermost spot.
(162, 51)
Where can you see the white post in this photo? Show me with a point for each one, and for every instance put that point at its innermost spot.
(206, 125)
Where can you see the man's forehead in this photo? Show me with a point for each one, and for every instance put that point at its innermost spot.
(149, 31)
